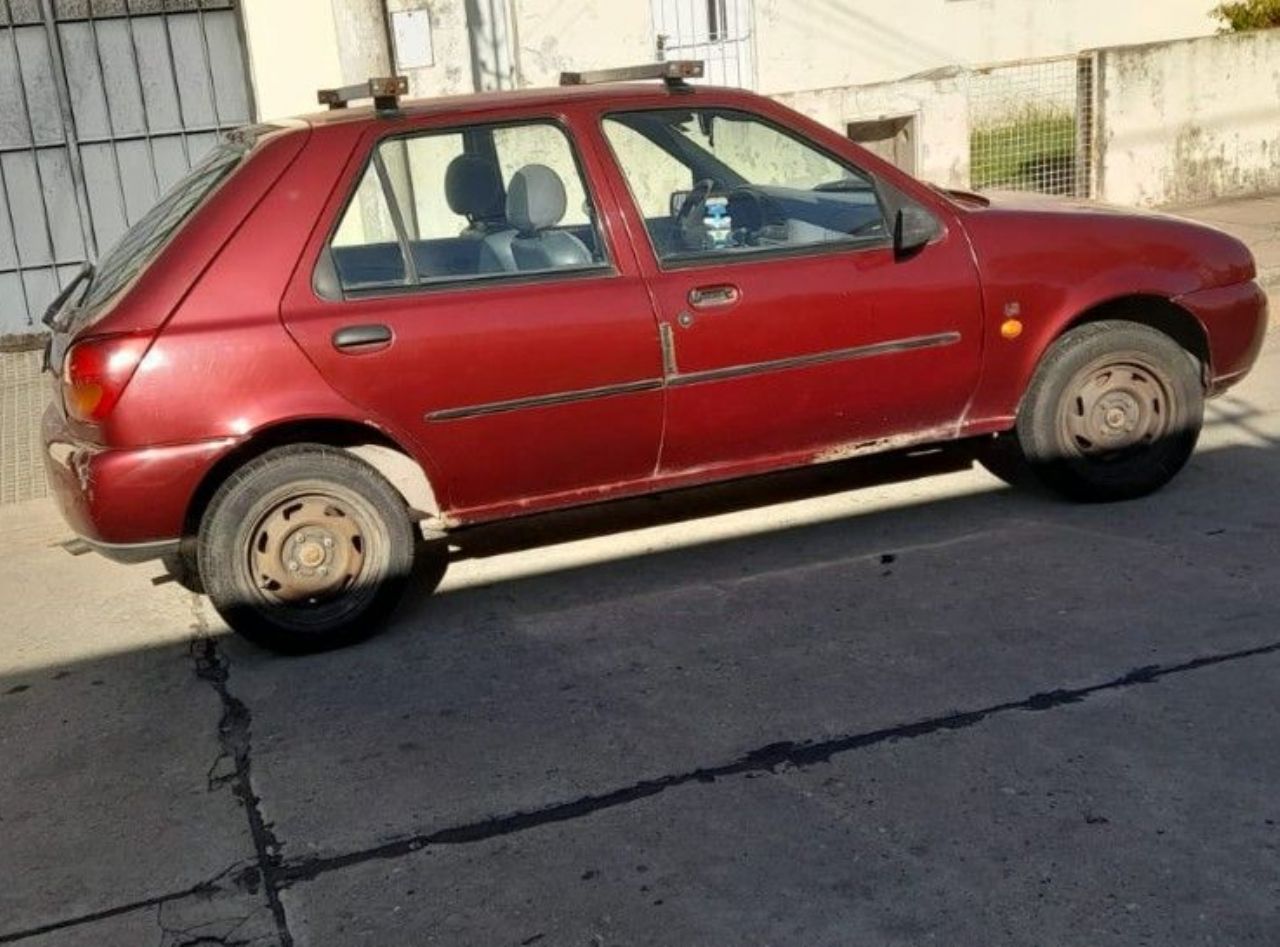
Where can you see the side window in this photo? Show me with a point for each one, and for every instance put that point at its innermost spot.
(412, 160)
(654, 174)
(474, 203)
(366, 248)
(746, 185)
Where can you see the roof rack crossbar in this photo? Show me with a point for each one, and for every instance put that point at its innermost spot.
(384, 90)
(674, 72)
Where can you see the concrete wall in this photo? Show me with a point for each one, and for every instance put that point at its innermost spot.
(816, 44)
(451, 72)
(1190, 121)
(554, 35)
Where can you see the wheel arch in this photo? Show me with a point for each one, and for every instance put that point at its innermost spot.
(1156, 312)
(369, 444)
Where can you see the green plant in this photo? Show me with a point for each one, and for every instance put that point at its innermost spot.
(1247, 15)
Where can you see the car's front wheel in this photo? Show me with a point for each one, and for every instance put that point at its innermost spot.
(305, 548)
(1113, 413)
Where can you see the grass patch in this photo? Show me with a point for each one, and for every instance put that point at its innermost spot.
(1031, 150)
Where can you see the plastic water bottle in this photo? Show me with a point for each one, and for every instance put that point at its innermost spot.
(718, 223)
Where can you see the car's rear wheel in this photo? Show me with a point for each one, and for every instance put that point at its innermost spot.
(1113, 413)
(305, 548)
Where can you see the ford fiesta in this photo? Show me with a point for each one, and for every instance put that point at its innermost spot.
(344, 333)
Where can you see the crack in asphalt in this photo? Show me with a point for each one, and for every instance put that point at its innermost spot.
(765, 759)
(234, 731)
(277, 874)
(188, 936)
(203, 889)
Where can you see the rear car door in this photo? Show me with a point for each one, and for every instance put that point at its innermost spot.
(790, 327)
(470, 298)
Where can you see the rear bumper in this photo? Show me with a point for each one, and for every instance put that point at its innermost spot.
(1235, 319)
(129, 505)
(132, 553)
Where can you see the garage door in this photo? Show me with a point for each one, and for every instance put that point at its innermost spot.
(103, 105)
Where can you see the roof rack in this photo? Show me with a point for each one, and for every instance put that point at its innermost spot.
(673, 72)
(384, 90)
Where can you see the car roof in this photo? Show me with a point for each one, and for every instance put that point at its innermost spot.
(632, 93)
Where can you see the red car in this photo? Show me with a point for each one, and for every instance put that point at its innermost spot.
(344, 332)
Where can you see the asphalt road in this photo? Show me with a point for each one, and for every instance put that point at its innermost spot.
(929, 710)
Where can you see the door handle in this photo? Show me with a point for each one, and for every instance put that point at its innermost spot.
(712, 297)
(350, 338)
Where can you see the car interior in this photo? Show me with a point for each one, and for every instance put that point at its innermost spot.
(764, 208)
(506, 227)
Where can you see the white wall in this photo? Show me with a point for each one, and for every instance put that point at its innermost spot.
(815, 44)
(1190, 121)
(556, 35)
(293, 51)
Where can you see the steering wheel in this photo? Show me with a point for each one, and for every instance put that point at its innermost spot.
(695, 199)
(756, 215)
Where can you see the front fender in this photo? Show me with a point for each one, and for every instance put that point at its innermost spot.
(1048, 270)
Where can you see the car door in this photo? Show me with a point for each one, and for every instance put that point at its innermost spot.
(790, 326)
(515, 378)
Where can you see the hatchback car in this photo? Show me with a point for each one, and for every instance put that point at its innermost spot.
(346, 332)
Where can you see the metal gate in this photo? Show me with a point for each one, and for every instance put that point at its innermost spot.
(715, 31)
(103, 105)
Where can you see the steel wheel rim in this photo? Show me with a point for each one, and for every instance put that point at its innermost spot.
(1115, 409)
(309, 556)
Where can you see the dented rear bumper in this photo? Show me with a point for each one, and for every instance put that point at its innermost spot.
(130, 505)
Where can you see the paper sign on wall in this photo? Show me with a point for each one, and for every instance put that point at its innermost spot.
(411, 32)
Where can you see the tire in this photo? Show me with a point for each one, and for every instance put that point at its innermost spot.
(1113, 413)
(183, 568)
(305, 548)
(1002, 457)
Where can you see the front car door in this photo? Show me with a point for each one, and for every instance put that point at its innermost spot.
(471, 299)
(791, 329)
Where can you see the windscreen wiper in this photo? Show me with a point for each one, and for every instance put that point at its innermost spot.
(59, 305)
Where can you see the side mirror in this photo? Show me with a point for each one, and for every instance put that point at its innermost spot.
(913, 228)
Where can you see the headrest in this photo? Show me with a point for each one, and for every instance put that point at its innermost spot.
(473, 188)
(535, 198)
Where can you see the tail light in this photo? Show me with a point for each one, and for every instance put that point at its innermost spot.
(95, 373)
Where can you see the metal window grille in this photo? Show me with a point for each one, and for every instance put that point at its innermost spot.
(1031, 126)
(103, 105)
(715, 31)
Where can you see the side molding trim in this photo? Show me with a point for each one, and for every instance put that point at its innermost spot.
(673, 378)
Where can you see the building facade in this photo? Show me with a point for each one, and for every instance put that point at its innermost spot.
(772, 46)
